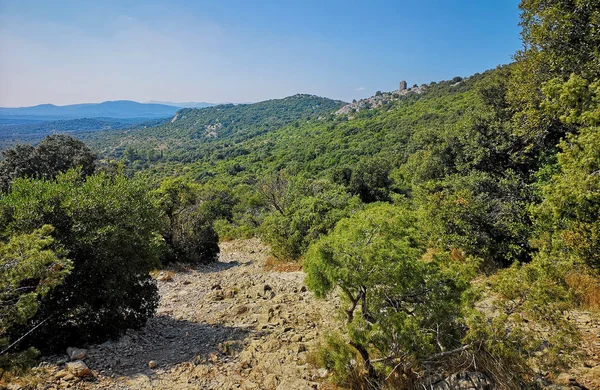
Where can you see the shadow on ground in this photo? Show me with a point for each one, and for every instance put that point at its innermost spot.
(164, 340)
(217, 266)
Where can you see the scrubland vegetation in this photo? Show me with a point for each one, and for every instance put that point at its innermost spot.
(458, 225)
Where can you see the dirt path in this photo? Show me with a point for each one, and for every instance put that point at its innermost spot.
(229, 325)
(234, 325)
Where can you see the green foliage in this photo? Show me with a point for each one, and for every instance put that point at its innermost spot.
(369, 179)
(481, 213)
(521, 327)
(560, 39)
(341, 360)
(562, 35)
(211, 133)
(576, 101)
(107, 227)
(187, 221)
(567, 219)
(30, 267)
(410, 305)
(54, 155)
(313, 210)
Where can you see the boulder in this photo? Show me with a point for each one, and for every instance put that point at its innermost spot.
(76, 353)
(78, 369)
(462, 381)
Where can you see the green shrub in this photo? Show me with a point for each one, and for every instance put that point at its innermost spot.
(520, 326)
(342, 361)
(483, 214)
(410, 307)
(187, 222)
(312, 212)
(31, 265)
(107, 227)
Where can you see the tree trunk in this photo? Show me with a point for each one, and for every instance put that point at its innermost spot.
(373, 376)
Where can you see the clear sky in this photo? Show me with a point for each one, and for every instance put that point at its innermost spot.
(75, 51)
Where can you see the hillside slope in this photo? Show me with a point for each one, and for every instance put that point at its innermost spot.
(300, 131)
(186, 135)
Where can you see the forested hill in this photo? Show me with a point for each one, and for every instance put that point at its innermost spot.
(301, 132)
(180, 137)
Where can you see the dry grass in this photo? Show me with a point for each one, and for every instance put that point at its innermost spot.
(586, 288)
(28, 379)
(225, 238)
(276, 265)
(164, 276)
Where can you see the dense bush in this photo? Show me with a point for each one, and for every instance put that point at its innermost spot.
(483, 214)
(107, 227)
(410, 306)
(303, 213)
(187, 221)
(369, 179)
(55, 154)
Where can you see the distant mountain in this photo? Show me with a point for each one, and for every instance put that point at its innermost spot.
(119, 109)
(184, 104)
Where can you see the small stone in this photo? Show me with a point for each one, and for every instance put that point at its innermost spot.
(76, 353)
(301, 348)
(152, 364)
(240, 309)
(216, 295)
(270, 382)
(245, 359)
(249, 385)
(78, 369)
(61, 374)
(563, 378)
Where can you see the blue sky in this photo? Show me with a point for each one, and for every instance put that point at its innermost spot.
(77, 51)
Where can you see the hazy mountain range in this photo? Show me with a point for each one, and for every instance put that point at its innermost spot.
(119, 109)
(184, 104)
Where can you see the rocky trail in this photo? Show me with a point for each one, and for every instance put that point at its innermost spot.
(235, 325)
(227, 325)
